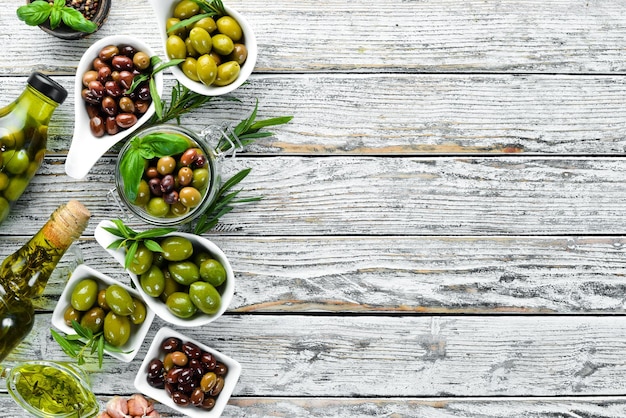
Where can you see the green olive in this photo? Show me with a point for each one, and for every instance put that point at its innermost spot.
(206, 23)
(175, 47)
(116, 329)
(227, 73)
(5, 208)
(213, 272)
(102, 300)
(141, 262)
(190, 196)
(201, 40)
(16, 187)
(153, 281)
(205, 297)
(70, 315)
(200, 257)
(180, 304)
(229, 27)
(222, 44)
(191, 51)
(171, 286)
(178, 209)
(141, 60)
(119, 300)
(4, 179)
(15, 162)
(171, 22)
(184, 272)
(185, 9)
(93, 319)
(166, 165)
(139, 312)
(206, 69)
(201, 177)
(189, 67)
(158, 207)
(176, 248)
(84, 295)
(143, 193)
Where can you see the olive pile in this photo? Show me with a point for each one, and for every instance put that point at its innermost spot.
(189, 375)
(109, 107)
(213, 50)
(111, 310)
(173, 185)
(185, 278)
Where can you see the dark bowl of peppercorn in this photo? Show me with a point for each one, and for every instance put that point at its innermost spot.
(95, 11)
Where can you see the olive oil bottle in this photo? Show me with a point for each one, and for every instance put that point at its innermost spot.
(24, 136)
(24, 274)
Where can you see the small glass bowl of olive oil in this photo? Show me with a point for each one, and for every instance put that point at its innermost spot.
(49, 389)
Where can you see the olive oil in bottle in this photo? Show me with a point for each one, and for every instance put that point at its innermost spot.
(25, 273)
(24, 135)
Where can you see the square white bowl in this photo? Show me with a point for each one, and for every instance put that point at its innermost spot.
(138, 332)
(155, 351)
(105, 238)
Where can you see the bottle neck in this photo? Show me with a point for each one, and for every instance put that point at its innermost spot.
(36, 105)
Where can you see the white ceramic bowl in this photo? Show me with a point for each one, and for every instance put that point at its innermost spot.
(86, 149)
(227, 289)
(138, 333)
(164, 9)
(141, 383)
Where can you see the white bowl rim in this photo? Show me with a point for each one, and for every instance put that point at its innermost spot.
(82, 271)
(232, 377)
(105, 238)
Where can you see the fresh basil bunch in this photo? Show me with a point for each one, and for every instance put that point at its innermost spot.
(39, 11)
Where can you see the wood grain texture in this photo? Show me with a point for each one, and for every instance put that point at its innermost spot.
(403, 356)
(381, 196)
(390, 36)
(401, 275)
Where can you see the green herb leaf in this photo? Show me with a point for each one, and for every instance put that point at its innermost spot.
(66, 346)
(160, 66)
(100, 350)
(35, 13)
(163, 144)
(153, 246)
(155, 232)
(130, 254)
(81, 330)
(75, 20)
(131, 168)
(190, 21)
(55, 18)
(58, 4)
(158, 104)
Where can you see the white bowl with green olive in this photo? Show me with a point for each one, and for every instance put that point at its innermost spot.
(215, 44)
(187, 280)
(108, 308)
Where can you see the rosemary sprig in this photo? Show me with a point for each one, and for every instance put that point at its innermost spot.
(84, 344)
(215, 7)
(182, 100)
(130, 239)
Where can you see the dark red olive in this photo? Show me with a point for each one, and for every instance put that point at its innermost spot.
(126, 79)
(96, 124)
(192, 350)
(194, 364)
(185, 376)
(155, 186)
(98, 63)
(109, 106)
(167, 185)
(143, 92)
(111, 125)
(112, 88)
(92, 110)
(155, 368)
(122, 63)
(156, 382)
(172, 375)
(208, 403)
(170, 388)
(171, 197)
(127, 50)
(219, 385)
(104, 73)
(151, 172)
(126, 120)
(89, 97)
(180, 398)
(220, 369)
(197, 397)
(188, 387)
(141, 106)
(209, 360)
(96, 88)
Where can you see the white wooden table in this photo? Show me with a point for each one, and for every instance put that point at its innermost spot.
(442, 233)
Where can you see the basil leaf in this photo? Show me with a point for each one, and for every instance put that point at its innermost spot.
(55, 18)
(35, 13)
(58, 4)
(131, 168)
(75, 20)
(164, 144)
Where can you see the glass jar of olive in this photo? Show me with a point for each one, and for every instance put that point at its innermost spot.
(167, 175)
(23, 136)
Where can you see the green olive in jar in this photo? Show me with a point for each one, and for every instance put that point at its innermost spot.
(176, 248)
(184, 272)
(116, 329)
(143, 193)
(84, 295)
(158, 207)
(153, 281)
(190, 196)
(180, 304)
(227, 73)
(206, 69)
(142, 260)
(201, 177)
(93, 319)
(201, 40)
(15, 162)
(5, 208)
(205, 297)
(16, 187)
(119, 300)
(175, 47)
(229, 27)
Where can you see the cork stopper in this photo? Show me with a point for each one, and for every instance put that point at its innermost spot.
(66, 224)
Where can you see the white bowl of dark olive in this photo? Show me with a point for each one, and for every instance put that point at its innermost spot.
(216, 44)
(186, 375)
(106, 307)
(106, 110)
(189, 283)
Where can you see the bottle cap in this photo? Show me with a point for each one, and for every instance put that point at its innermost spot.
(48, 87)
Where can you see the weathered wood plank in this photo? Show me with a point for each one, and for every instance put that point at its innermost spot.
(410, 114)
(606, 407)
(523, 275)
(382, 196)
(390, 36)
(405, 356)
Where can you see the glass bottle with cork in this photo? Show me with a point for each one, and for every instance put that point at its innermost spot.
(24, 136)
